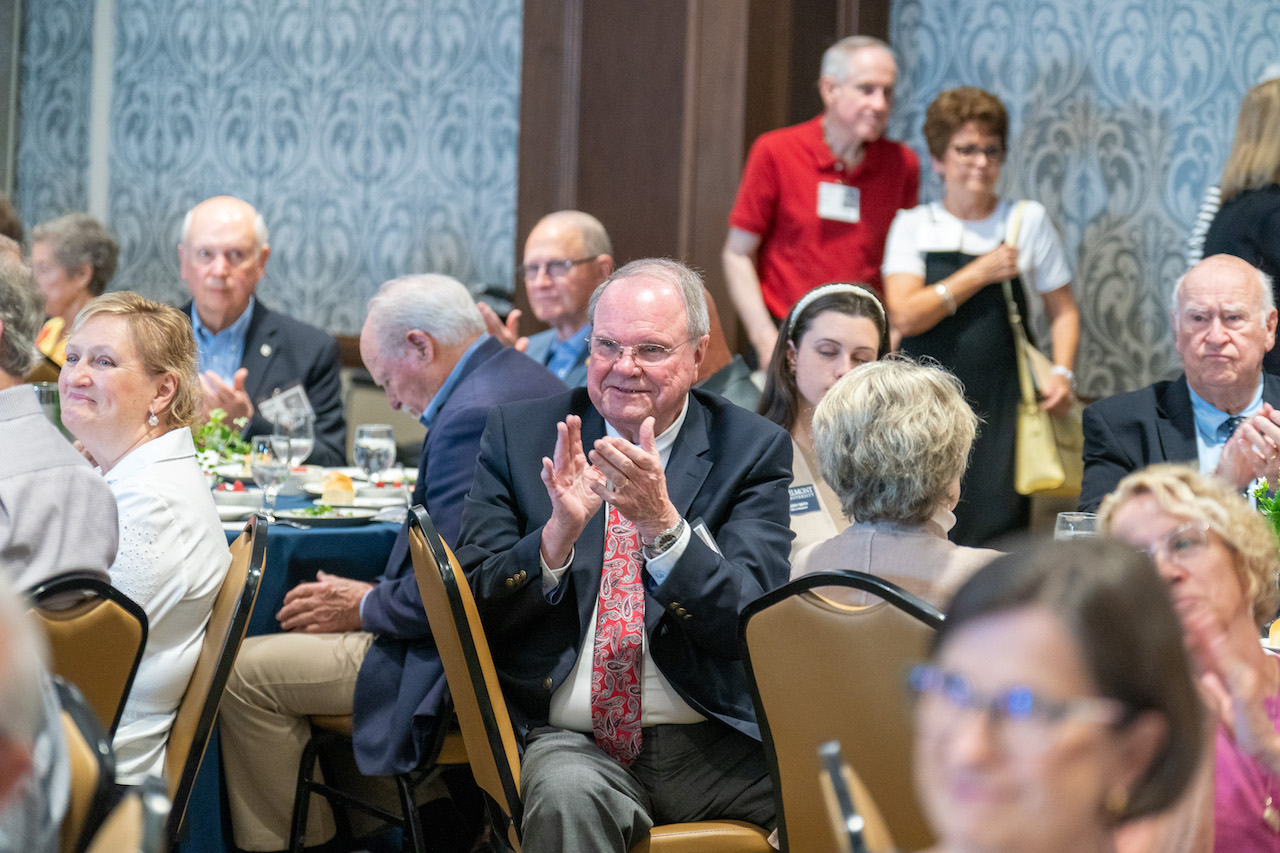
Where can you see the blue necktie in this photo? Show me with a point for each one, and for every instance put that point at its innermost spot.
(562, 358)
(1228, 427)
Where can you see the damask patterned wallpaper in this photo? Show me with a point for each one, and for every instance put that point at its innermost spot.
(1121, 113)
(377, 138)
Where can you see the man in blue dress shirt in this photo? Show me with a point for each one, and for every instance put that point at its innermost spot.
(248, 352)
(567, 255)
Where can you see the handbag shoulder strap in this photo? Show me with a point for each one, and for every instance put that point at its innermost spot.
(1026, 384)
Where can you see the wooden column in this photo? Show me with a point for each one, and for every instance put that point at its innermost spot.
(641, 113)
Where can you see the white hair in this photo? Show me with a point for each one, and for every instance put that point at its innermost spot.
(439, 305)
(259, 226)
(835, 61)
(1268, 296)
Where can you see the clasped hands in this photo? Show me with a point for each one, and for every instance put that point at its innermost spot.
(329, 605)
(628, 476)
(1253, 451)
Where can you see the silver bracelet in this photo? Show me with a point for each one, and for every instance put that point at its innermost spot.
(948, 301)
(1061, 370)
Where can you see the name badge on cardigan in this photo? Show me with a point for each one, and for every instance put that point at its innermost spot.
(803, 499)
(839, 202)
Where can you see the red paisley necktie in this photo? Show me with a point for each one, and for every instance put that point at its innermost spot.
(615, 670)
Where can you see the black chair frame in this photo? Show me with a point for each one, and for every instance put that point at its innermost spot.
(407, 785)
(177, 826)
(418, 518)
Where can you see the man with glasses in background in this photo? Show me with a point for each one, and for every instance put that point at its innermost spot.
(616, 642)
(1220, 412)
(566, 257)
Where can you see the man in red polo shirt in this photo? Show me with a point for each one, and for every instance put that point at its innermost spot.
(816, 199)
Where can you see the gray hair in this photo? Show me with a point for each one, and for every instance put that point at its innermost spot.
(259, 226)
(595, 240)
(22, 668)
(686, 281)
(21, 312)
(1264, 284)
(890, 438)
(78, 238)
(835, 61)
(439, 305)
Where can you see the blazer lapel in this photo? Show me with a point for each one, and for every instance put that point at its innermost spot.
(260, 345)
(688, 468)
(1176, 422)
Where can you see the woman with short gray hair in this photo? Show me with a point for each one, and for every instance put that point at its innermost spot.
(892, 440)
(73, 258)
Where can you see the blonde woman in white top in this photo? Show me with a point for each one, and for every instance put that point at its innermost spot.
(129, 395)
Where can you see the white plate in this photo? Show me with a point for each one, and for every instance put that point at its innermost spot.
(362, 490)
(297, 477)
(342, 517)
(251, 496)
(232, 512)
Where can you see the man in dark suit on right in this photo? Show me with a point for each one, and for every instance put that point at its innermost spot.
(1219, 413)
(612, 537)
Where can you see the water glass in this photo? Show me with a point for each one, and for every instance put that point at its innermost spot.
(375, 449)
(269, 462)
(1075, 525)
(299, 426)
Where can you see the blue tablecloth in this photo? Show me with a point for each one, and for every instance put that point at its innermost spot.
(293, 556)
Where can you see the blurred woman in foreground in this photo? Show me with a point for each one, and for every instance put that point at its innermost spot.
(1058, 704)
(830, 331)
(129, 394)
(1219, 559)
(892, 440)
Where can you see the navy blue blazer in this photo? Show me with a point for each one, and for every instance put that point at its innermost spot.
(401, 681)
(278, 351)
(729, 469)
(1128, 432)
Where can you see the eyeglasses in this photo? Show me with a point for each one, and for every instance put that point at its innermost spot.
(1181, 546)
(645, 355)
(1020, 718)
(994, 153)
(558, 268)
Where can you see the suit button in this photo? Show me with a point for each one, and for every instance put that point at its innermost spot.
(521, 576)
(546, 684)
(511, 582)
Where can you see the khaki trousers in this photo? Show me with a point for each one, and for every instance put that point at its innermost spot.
(278, 681)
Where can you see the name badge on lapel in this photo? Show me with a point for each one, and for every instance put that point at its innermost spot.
(803, 499)
(839, 202)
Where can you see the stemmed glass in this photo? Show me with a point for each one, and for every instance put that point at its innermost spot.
(269, 462)
(1075, 525)
(299, 426)
(375, 450)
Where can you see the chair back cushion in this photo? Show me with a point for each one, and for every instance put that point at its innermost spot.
(468, 666)
(103, 673)
(222, 636)
(826, 671)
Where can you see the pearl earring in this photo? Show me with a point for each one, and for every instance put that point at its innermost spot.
(152, 419)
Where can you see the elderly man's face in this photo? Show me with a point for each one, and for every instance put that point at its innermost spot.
(406, 377)
(221, 261)
(560, 299)
(634, 312)
(1221, 331)
(862, 102)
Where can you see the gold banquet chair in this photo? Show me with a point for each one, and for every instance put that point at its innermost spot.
(820, 671)
(76, 612)
(482, 711)
(198, 709)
